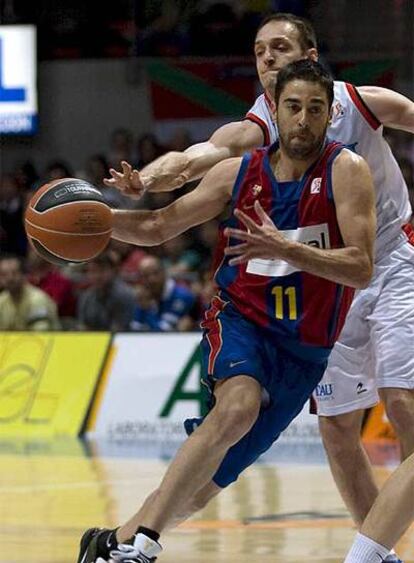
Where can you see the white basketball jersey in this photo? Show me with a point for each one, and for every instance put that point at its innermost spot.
(354, 124)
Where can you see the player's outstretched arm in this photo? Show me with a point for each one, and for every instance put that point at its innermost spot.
(391, 108)
(355, 207)
(174, 169)
(209, 199)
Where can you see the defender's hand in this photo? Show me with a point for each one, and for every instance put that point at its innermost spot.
(128, 182)
(261, 240)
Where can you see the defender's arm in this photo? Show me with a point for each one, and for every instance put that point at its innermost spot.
(174, 169)
(391, 108)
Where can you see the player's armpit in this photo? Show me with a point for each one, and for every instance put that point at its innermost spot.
(391, 108)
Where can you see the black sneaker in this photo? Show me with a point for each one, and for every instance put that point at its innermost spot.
(88, 549)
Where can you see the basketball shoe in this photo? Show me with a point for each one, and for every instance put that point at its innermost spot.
(142, 550)
(89, 550)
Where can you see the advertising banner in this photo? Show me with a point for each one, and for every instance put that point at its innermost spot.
(152, 384)
(18, 88)
(47, 381)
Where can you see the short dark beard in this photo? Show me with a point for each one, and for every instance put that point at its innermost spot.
(303, 153)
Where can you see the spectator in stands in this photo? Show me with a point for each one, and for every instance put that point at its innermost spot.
(217, 19)
(128, 258)
(180, 140)
(56, 170)
(12, 235)
(23, 306)
(162, 304)
(120, 147)
(148, 149)
(50, 279)
(162, 27)
(26, 176)
(108, 304)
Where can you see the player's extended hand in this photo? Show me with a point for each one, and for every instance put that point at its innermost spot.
(261, 240)
(128, 182)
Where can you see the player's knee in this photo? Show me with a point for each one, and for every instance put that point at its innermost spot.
(399, 406)
(341, 433)
(235, 418)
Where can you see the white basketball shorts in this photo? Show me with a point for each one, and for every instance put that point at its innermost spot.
(376, 346)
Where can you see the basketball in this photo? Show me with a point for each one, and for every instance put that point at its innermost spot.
(68, 220)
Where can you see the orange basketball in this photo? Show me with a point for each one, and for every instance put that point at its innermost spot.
(68, 220)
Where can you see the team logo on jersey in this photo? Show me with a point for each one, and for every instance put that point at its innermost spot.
(338, 111)
(256, 189)
(316, 186)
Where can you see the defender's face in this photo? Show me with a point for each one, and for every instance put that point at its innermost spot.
(302, 118)
(277, 44)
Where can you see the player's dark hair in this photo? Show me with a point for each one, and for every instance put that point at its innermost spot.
(307, 70)
(306, 32)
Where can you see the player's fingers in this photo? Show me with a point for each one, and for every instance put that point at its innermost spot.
(249, 223)
(237, 233)
(261, 213)
(235, 250)
(109, 182)
(239, 260)
(126, 168)
(115, 174)
(136, 181)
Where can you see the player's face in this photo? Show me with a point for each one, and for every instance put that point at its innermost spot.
(302, 118)
(276, 45)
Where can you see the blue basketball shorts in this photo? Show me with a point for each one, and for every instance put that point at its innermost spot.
(231, 346)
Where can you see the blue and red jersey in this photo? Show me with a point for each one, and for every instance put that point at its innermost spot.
(271, 293)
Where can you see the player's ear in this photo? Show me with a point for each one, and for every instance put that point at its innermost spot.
(330, 115)
(312, 54)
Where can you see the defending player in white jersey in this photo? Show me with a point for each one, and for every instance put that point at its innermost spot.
(375, 349)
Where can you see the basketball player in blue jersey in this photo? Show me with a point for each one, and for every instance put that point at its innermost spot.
(373, 355)
(390, 516)
(298, 240)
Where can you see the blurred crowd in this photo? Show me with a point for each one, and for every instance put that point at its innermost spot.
(126, 288)
(146, 27)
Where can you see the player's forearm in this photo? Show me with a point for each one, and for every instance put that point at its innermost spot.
(347, 266)
(142, 228)
(173, 170)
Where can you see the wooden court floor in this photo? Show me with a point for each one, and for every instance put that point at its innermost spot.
(285, 512)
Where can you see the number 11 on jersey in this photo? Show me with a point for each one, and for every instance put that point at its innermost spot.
(285, 302)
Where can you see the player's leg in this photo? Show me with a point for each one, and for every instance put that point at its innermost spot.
(229, 344)
(390, 516)
(346, 390)
(399, 406)
(392, 334)
(236, 409)
(349, 463)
